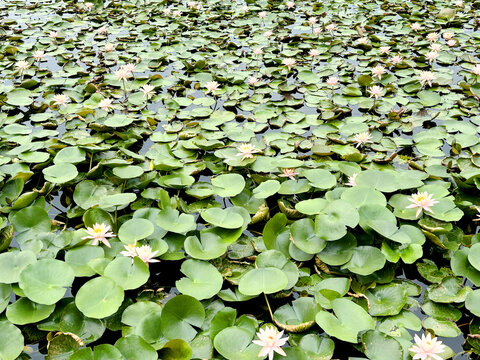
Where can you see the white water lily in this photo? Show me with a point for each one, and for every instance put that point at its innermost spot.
(432, 37)
(375, 91)
(396, 59)
(262, 14)
(130, 67)
(252, 80)
(109, 47)
(176, 13)
(415, 26)
(422, 201)
(447, 35)
(22, 65)
(476, 69)
(426, 77)
(378, 71)
(362, 138)
(459, 3)
(38, 55)
(246, 151)
(147, 91)
(427, 348)
(317, 30)
(105, 104)
(88, 6)
(60, 99)
(211, 86)
(452, 42)
(102, 30)
(258, 51)
(53, 34)
(290, 4)
(363, 41)
(99, 233)
(351, 180)
(314, 53)
(331, 27)
(435, 47)
(384, 50)
(130, 250)
(289, 63)
(271, 341)
(146, 254)
(431, 56)
(166, 11)
(267, 34)
(312, 20)
(122, 74)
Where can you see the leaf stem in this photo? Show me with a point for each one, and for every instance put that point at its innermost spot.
(268, 305)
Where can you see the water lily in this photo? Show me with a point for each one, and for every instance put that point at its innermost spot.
(262, 14)
(396, 59)
(314, 53)
(422, 201)
(459, 3)
(351, 180)
(290, 173)
(88, 6)
(246, 151)
(245, 8)
(147, 91)
(363, 41)
(332, 81)
(22, 65)
(289, 63)
(53, 34)
(362, 138)
(176, 13)
(109, 47)
(130, 250)
(130, 67)
(431, 37)
(146, 254)
(426, 77)
(267, 34)
(476, 69)
(122, 74)
(252, 80)
(452, 42)
(60, 99)
(331, 27)
(192, 4)
(258, 51)
(105, 104)
(312, 20)
(415, 26)
(211, 86)
(99, 233)
(271, 341)
(317, 30)
(375, 91)
(431, 56)
(290, 4)
(384, 50)
(378, 71)
(38, 55)
(166, 11)
(102, 30)
(435, 47)
(447, 35)
(427, 348)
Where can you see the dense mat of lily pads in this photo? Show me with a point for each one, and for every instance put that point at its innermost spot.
(227, 180)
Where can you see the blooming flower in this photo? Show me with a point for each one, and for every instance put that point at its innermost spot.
(363, 41)
(102, 30)
(476, 69)
(146, 254)
(432, 37)
(166, 11)
(317, 30)
(290, 4)
(147, 90)
(375, 91)
(88, 6)
(459, 3)
(130, 250)
(130, 67)
(351, 180)
(312, 20)
(53, 34)
(422, 201)
(426, 77)
(258, 51)
(427, 348)
(267, 34)
(39, 55)
(211, 86)
(314, 53)
(378, 71)
(176, 13)
(192, 4)
(451, 42)
(252, 80)
(384, 50)
(290, 173)
(331, 27)
(22, 65)
(362, 138)
(431, 56)
(122, 74)
(447, 35)
(105, 104)
(415, 26)
(262, 14)
(436, 47)
(60, 99)
(109, 47)
(332, 81)
(271, 341)
(289, 62)
(99, 233)
(397, 59)
(245, 8)
(246, 151)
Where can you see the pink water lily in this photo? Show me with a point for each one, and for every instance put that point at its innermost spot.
(378, 71)
(352, 180)
(146, 254)
(422, 201)
(271, 341)
(332, 81)
(375, 91)
(290, 173)
(427, 348)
